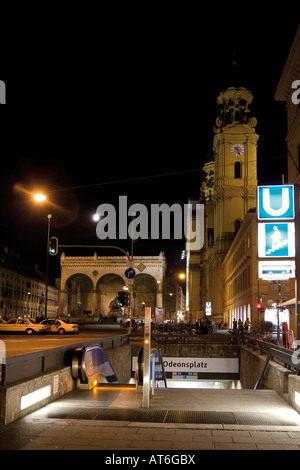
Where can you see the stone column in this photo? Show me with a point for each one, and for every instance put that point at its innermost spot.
(95, 302)
(159, 295)
(63, 303)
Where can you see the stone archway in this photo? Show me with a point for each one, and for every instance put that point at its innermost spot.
(107, 290)
(145, 288)
(101, 290)
(79, 295)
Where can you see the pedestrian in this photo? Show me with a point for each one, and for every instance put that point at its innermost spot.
(247, 324)
(234, 324)
(205, 325)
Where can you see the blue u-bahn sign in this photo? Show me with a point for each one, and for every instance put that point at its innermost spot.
(276, 202)
(276, 231)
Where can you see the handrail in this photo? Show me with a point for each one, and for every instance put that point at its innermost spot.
(284, 356)
(273, 351)
(157, 355)
(139, 367)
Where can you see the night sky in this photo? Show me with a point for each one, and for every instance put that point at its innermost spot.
(131, 106)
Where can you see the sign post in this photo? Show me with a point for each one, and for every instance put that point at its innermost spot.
(278, 247)
(147, 347)
(130, 274)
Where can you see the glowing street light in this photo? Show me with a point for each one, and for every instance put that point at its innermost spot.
(181, 276)
(39, 197)
(96, 217)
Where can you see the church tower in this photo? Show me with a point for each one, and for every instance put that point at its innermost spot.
(228, 192)
(235, 155)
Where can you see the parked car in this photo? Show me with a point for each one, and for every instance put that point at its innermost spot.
(23, 325)
(56, 325)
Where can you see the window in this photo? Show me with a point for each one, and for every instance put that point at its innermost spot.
(237, 170)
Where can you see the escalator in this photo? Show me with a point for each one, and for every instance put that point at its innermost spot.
(157, 374)
(90, 366)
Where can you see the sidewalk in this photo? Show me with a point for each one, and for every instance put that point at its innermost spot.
(32, 433)
(85, 421)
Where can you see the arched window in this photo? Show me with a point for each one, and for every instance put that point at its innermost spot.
(237, 169)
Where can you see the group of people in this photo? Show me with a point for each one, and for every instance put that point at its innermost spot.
(238, 325)
(203, 326)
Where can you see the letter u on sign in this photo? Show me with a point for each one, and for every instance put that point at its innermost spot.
(275, 202)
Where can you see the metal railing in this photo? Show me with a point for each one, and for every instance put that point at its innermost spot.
(187, 338)
(283, 356)
(273, 351)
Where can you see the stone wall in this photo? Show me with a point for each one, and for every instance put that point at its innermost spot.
(275, 376)
(60, 382)
(294, 391)
(284, 381)
(120, 360)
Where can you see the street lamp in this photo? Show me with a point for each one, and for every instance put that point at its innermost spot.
(39, 197)
(49, 216)
(96, 217)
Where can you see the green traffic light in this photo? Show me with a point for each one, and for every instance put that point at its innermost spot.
(53, 246)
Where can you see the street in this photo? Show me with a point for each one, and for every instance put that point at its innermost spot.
(21, 344)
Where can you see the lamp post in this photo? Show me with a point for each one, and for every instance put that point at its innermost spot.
(133, 215)
(40, 198)
(49, 216)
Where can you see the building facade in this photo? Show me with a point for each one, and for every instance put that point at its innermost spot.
(90, 284)
(288, 91)
(244, 291)
(23, 289)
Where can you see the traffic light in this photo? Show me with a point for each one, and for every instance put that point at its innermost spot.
(53, 246)
(260, 307)
(126, 299)
(123, 298)
(120, 299)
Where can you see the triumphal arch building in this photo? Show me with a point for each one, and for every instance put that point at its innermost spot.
(90, 284)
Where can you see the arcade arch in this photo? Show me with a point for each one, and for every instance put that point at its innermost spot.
(145, 288)
(107, 289)
(89, 284)
(79, 291)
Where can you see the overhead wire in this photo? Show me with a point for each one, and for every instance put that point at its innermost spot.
(160, 175)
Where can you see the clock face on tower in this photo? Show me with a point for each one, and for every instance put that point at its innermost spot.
(237, 150)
